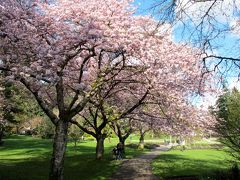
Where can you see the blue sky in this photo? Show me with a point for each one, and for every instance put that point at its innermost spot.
(226, 44)
(143, 5)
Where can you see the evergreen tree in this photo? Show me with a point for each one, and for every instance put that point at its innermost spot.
(227, 113)
(18, 106)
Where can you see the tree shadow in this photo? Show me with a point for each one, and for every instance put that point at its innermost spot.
(177, 167)
(28, 158)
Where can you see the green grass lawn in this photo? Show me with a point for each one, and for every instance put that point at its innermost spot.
(27, 158)
(200, 163)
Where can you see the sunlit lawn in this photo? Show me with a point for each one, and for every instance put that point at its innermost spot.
(199, 163)
(28, 158)
(25, 158)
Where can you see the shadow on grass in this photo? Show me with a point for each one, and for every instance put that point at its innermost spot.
(25, 142)
(171, 166)
(26, 158)
(81, 165)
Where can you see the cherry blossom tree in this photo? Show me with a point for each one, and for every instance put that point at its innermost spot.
(2, 121)
(123, 129)
(143, 128)
(102, 109)
(51, 51)
(65, 52)
(173, 118)
(187, 119)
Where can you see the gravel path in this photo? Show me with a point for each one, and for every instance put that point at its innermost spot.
(138, 168)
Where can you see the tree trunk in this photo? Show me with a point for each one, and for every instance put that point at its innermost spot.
(59, 148)
(17, 130)
(122, 140)
(141, 141)
(123, 143)
(1, 135)
(100, 147)
(75, 145)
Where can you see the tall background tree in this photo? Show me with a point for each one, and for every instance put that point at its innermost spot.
(20, 108)
(227, 114)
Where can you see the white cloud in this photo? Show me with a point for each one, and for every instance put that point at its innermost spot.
(233, 82)
(208, 100)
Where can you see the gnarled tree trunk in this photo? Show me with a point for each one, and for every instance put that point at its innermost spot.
(100, 146)
(141, 141)
(122, 140)
(59, 148)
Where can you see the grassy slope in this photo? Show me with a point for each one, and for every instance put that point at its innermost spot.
(190, 162)
(26, 158)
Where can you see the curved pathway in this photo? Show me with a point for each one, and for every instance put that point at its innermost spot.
(138, 168)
